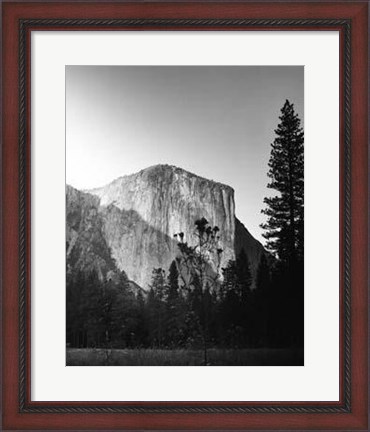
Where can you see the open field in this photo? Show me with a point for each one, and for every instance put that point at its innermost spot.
(184, 357)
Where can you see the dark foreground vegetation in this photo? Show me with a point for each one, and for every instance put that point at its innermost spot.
(198, 313)
(184, 357)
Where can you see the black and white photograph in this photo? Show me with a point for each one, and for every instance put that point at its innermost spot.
(184, 215)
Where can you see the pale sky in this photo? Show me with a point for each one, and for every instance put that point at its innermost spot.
(215, 121)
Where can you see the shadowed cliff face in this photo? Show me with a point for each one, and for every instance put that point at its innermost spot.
(253, 248)
(137, 216)
(86, 247)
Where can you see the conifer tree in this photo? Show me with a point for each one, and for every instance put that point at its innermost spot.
(244, 275)
(156, 303)
(284, 226)
(173, 283)
(140, 320)
(172, 306)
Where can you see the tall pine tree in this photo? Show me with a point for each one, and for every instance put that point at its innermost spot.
(285, 211)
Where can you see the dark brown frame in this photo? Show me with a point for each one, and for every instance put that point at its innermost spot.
(19, 19)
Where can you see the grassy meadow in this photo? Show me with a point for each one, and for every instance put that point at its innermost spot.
(183, 357)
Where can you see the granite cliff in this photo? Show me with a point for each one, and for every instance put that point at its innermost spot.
(129, 224)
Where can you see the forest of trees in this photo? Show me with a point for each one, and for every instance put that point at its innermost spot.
(195, 303)
(172, 314)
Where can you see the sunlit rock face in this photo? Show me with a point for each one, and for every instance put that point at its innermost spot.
(139, 214)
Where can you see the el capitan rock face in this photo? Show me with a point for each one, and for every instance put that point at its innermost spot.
(136, 216)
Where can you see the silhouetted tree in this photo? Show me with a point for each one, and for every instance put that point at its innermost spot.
(173, 312)
(284, 226)
(139, 333)
(284, 229)
(156, 306)
(199, 269)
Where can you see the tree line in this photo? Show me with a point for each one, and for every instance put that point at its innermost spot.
(171, 314)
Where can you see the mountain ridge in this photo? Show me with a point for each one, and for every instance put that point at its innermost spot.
(154, 168)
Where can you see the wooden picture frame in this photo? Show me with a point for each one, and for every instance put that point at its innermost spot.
(19, 19)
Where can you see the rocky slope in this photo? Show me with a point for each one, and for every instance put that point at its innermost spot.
(136, 216)
(86, 245)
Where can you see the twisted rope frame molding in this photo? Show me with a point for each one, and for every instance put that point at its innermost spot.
(186, 407)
